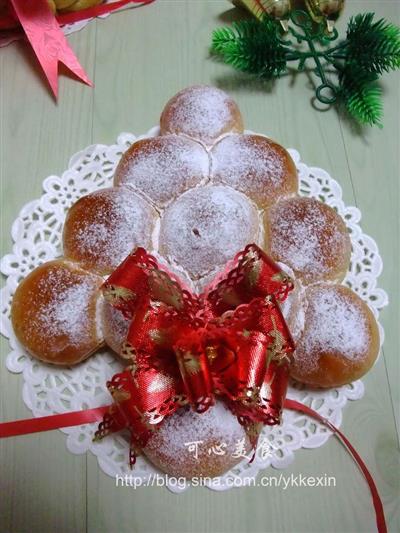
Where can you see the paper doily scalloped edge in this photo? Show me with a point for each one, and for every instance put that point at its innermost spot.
(36, 236)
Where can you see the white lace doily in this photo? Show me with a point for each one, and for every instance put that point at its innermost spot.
(37, 237)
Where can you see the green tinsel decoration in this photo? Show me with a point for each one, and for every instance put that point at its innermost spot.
(370, 49)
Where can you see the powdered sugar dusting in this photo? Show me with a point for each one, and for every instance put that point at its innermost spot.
(254, 165)
(201, 112)
(206, 227)
(161, 168)
(292, 308)
(336, 323)
(176, 270)
(104, 227)
(215, 426)
(115, 326)
(66, 307)
(308, 236)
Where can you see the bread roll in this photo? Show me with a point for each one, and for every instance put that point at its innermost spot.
(206, 227)
(310, 237)
(201, 112)
(162, 168)
(340, 341)
(102, 228)
(54, 313)
(215, 430)
(256, 166)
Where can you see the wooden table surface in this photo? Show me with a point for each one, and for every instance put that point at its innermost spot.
(138, 59)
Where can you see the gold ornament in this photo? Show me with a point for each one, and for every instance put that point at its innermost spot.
(250, 395)
(164, 289)
(191, 365)
(328, 10)
(65, 6)
(277, 9)
(52, 6)
(253, 431)
(253, 268)
(84, 4)
(281, 277)
(275, 349)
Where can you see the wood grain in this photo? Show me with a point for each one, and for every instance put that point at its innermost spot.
(138, 59)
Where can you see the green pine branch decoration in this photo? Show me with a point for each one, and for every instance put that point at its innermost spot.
(370, 49)
(252, 46)
(375, 46)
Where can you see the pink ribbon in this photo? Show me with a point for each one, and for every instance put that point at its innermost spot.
(47, 40)
(42, 30)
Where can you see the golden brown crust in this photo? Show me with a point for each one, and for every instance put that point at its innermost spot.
(340, 341)
(54, 313)
(310, 237)
(201, 112)
(255, 165)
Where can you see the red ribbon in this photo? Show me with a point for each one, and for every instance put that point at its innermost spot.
(376, 500)
(47, 423)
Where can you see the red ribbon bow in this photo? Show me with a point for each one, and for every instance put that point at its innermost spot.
(231, 341)
(234, 330)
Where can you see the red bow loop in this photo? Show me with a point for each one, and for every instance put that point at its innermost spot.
(127, 284)
(139, 279)
(250, 275)
(256, 340)
(231, 341)
(152, 335)
(194, 367)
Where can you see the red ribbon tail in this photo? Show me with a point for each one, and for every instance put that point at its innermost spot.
(47, 40)
(378, 506)
(76, 418)
(47, 423)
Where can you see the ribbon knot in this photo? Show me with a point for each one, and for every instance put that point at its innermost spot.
(231, 341)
